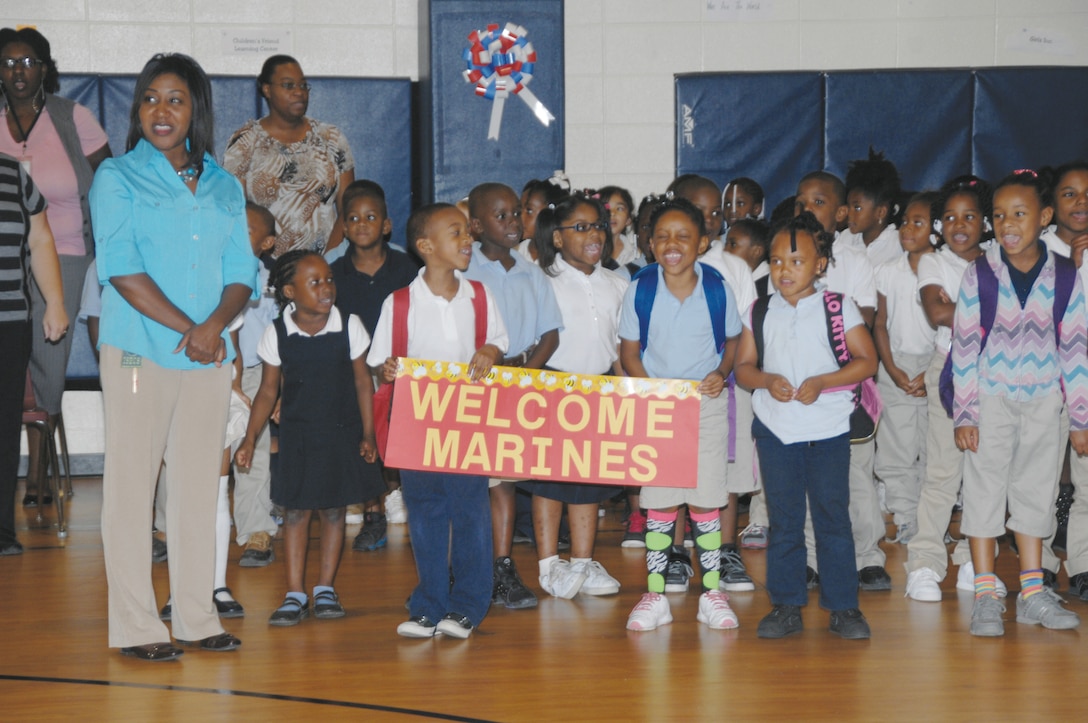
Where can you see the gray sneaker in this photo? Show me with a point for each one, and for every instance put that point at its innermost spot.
(1045, 608)
(986, 617)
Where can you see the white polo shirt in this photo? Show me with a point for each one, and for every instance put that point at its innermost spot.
(908, 329)
(735, 272)
(590, 304)
(850, 273)
(944, 269)
(438, 329)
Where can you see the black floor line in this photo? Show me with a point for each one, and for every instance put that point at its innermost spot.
(248, 694)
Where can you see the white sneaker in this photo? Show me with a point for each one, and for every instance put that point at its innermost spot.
(714, 610)
(651, 612)
(965, 580)
(354, 515)
(395, 512)
(924, 585)
(597, 581)
(563, 580)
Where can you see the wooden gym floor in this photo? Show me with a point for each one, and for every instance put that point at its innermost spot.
(569, 660)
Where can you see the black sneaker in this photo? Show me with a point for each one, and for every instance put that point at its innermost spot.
(372, 536)
(455, 625)
(509, 589)
(849, 624)
(1078, 586)
(875, 578)
(679, 570)
(1050, 580)
(781, 621)
(734, 576)
(812, 578)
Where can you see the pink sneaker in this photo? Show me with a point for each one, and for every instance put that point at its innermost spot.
(714, 610)
(651, 612)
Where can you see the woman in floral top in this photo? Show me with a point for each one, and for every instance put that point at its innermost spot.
(294, 166)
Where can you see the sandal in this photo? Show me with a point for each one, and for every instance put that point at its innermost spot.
(291, 612)
(155, 652)
(216, 643)
(327, 605)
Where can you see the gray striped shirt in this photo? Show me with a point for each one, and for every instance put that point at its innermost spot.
(19, 200)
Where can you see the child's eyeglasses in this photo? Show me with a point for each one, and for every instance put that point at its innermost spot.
(27, 62)
(290, 86)
(583, 227)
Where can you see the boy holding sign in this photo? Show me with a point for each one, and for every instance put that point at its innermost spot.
(441, 321)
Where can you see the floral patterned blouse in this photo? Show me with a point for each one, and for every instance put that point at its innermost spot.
(297, 182)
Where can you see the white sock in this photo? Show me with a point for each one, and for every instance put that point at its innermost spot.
(576, 560)
(222, 533)
(546, 564)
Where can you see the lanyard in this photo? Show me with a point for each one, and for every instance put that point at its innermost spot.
(25, 133)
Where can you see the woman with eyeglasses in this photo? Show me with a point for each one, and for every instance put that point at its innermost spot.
(294, 166)
(59, 144)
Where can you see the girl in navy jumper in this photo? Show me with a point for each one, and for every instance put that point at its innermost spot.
(327, 450)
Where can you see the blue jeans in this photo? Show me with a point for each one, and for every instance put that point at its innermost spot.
(438, 502)
(820, 471)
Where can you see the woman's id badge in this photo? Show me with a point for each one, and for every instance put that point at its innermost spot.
(133, 362)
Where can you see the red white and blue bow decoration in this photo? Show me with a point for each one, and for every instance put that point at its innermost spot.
(500, 63)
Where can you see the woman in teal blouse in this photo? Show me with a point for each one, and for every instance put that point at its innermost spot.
(174, 258)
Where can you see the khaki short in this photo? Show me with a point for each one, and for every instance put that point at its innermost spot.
(712, 489)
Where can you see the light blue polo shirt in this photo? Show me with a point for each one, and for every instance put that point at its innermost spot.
(681, 337)
(524, 297)
(192, 246)
(795, 345)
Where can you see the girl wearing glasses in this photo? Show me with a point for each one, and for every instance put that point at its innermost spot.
(570, 243)
(59, 144)
(294, 166)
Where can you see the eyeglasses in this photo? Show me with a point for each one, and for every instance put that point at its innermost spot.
(26, 62)
(583, 227)
(291, 85)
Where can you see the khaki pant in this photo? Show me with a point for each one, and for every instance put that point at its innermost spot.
(154, 414)
(1076, 541)
(252, 488)
(901, 441)
(1015, 468)
(944, 473)
(1076, 544)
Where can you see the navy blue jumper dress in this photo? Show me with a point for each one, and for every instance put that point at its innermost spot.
(320, 426)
